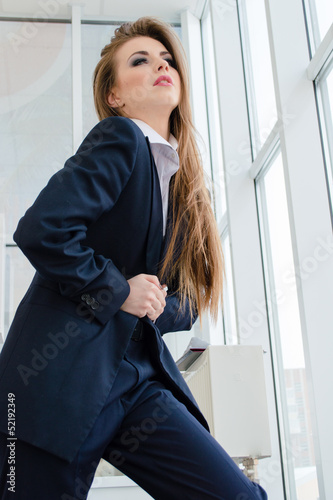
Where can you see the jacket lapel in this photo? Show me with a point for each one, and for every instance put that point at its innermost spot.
(155, 232)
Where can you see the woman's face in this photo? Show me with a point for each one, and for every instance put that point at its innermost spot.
(146, 80)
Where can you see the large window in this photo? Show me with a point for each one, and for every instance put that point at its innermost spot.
(35, 129)
(279, 220)
(286, 334)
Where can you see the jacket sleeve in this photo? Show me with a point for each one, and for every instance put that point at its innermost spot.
(51, 232)
(174, 318)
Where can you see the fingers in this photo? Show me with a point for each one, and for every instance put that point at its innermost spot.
(147, 296)
(156, 303)
(152, 278)
(160, 291)
(153, 313)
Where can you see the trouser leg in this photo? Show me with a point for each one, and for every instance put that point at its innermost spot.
(163, 448)
(145, 432)
(39, 475)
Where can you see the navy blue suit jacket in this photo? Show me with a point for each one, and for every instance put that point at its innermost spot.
(96, 223)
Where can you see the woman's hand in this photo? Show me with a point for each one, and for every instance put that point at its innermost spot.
(146, 297)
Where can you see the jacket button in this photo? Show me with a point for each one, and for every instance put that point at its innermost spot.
(90, 301)
(94, 305)
(85, 297)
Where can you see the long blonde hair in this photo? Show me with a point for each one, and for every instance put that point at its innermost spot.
(194, 258)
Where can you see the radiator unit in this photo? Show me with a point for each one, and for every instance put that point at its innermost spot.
(229, 386)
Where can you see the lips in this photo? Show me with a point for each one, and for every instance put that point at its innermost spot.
(164, 80)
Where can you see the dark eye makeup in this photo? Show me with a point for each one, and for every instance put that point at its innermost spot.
(141, 60)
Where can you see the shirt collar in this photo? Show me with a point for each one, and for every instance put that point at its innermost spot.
(153, 136)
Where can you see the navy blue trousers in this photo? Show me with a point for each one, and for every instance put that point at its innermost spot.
(145, 432)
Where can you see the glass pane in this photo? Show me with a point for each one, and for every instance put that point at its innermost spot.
(285, 329)
(324, 10)
(229, 311)
(35, 111)
(258, 71)
(320, 13)
(213, 118)
(94, 38)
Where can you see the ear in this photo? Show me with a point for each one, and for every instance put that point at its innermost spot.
(113, 101)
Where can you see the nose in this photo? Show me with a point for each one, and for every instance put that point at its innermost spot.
(163, 65)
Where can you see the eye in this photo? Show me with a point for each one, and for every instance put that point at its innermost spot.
(139, 61)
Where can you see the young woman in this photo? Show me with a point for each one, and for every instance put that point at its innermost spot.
(84, 365)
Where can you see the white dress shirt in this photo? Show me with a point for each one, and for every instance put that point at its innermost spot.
(166, 160)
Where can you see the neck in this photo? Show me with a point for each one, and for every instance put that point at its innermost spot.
(160, 125)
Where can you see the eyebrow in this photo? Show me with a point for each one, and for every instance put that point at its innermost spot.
(145, 53)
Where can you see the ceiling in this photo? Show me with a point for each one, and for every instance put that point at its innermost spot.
(102, 10)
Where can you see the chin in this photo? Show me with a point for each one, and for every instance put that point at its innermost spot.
(170, 103)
